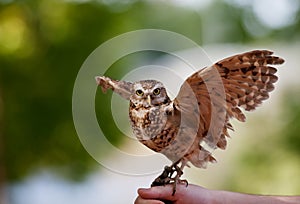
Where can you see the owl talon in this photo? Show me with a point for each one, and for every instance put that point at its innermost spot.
(185, 182)
(167, 177)
(164, 178)
(176, 181)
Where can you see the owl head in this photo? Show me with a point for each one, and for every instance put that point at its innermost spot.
(148, 93)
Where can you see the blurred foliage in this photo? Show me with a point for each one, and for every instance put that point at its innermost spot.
(43, 43)
(290, 134)
(271, 162)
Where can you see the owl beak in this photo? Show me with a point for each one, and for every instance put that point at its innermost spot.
(149, 99)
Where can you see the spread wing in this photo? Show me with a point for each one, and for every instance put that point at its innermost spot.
(217, 93)
(123, 88)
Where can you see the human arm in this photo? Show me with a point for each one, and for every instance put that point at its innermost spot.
(194, 194)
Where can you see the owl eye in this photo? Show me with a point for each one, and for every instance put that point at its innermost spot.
(139, 92)
(156, 91)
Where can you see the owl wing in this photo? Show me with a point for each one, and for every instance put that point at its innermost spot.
(123, 88)
(213, 95)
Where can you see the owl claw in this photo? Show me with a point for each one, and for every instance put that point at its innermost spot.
(167, 177)
(164, 178)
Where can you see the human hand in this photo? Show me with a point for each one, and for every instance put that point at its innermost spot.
(193, 194)
(190, 194)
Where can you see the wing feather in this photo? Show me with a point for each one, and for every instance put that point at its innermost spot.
(222, 90)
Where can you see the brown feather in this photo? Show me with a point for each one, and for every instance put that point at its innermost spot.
(247, 80)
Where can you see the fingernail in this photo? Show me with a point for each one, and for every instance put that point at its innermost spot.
(143, 189)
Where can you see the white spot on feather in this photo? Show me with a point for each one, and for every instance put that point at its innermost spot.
(141, 113)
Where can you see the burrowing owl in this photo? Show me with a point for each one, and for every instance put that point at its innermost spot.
(198, 117)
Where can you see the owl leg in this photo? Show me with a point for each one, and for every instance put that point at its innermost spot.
(164, 178)
(179, 173)
(167, 176)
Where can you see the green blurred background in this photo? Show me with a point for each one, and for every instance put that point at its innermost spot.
(43, 44)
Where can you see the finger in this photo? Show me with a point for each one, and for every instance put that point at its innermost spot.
(140, 200)
(158, 192)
